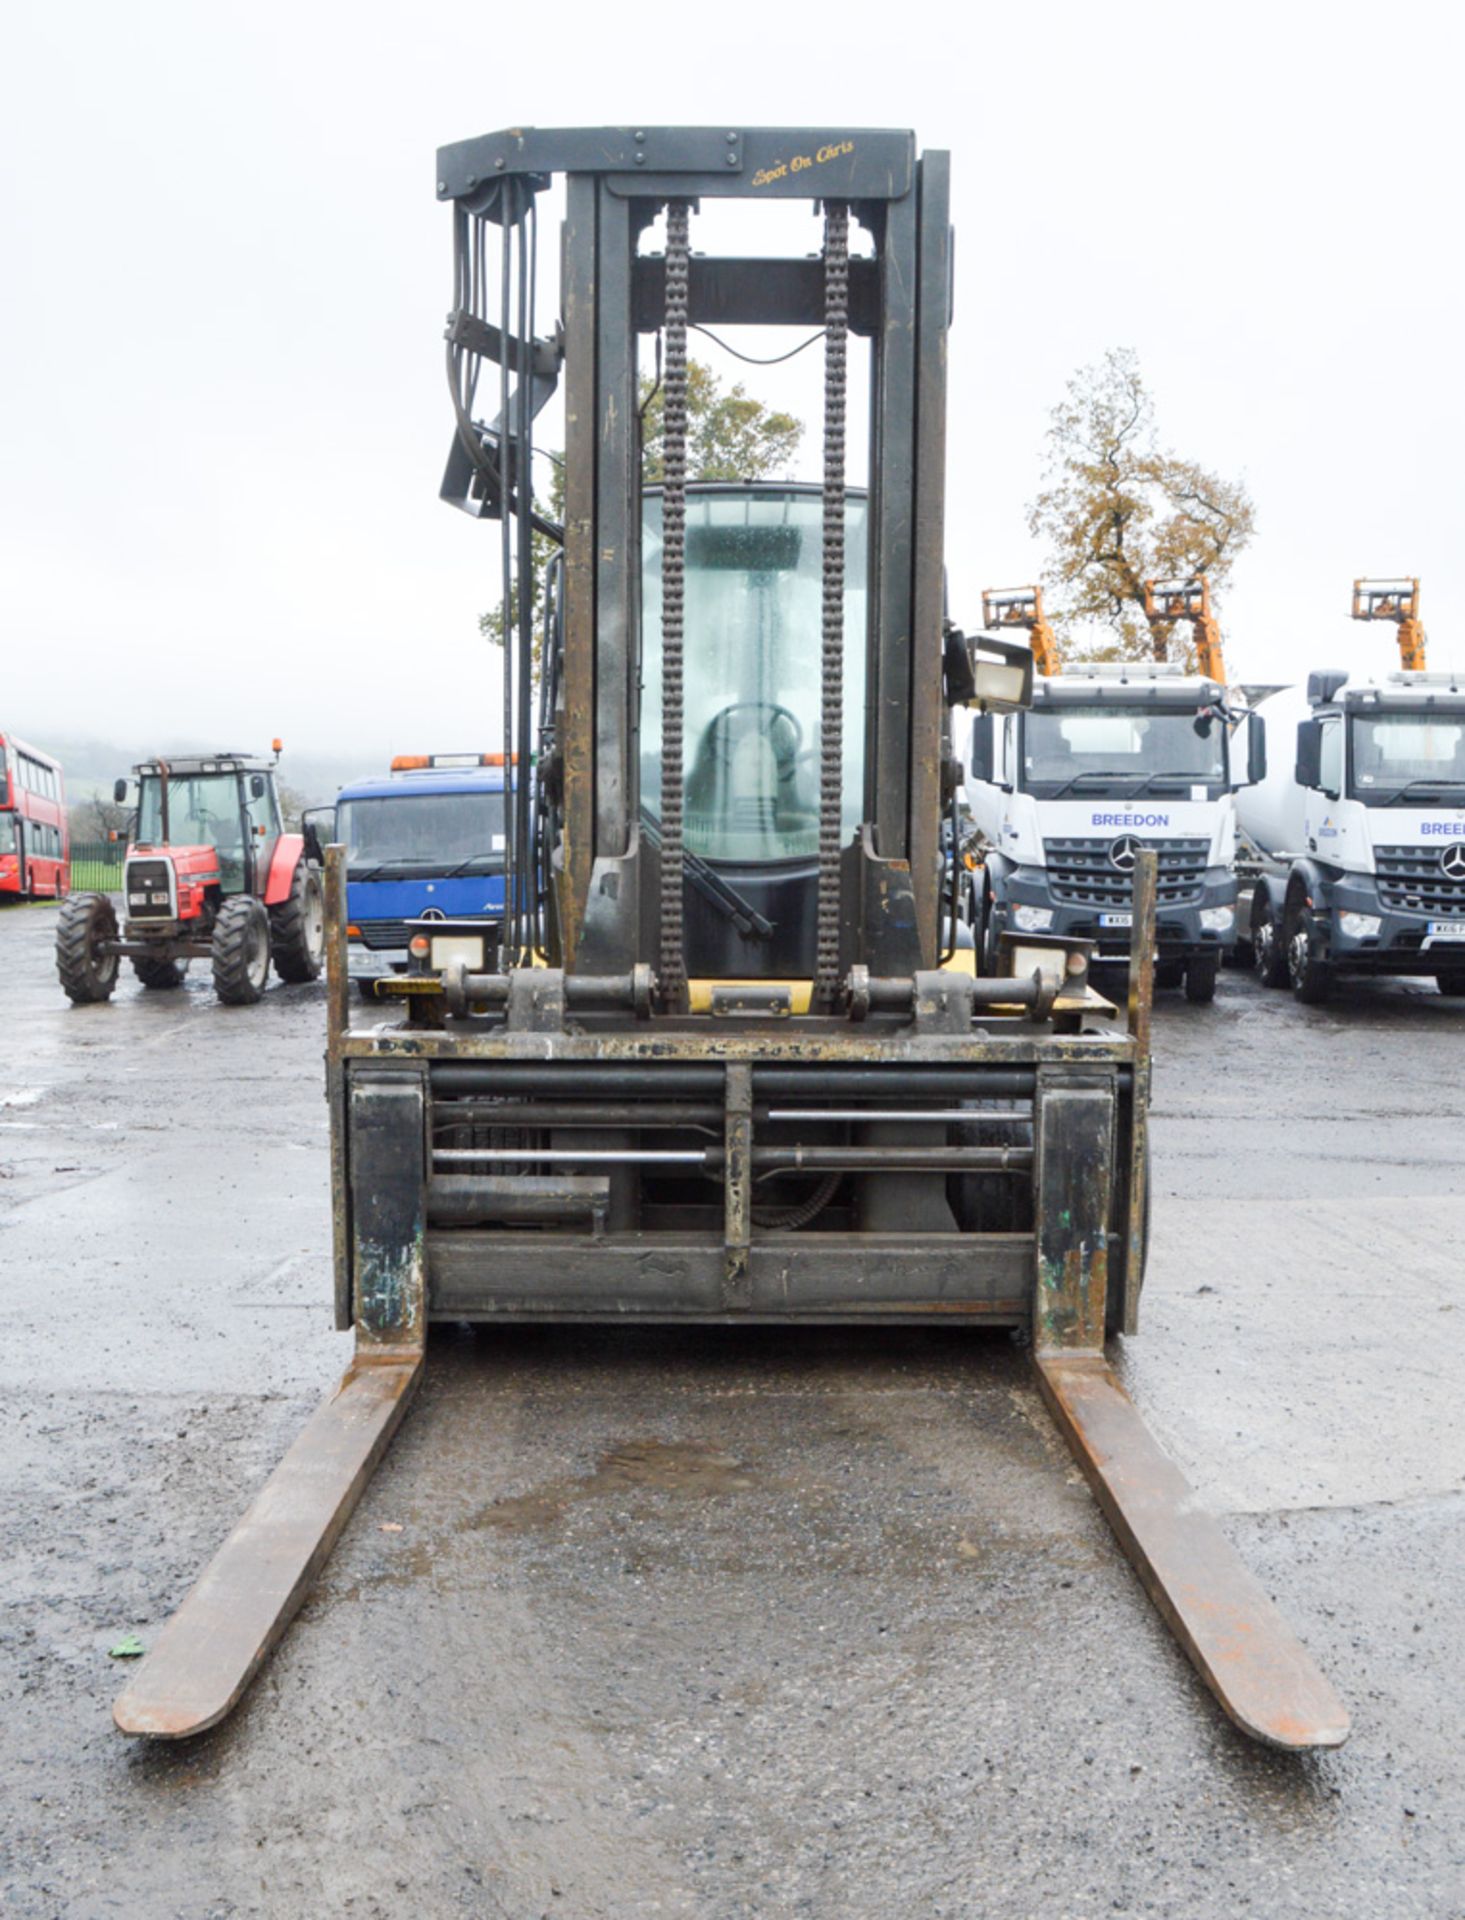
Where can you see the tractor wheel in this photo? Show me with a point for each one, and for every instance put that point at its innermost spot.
(1451, 981)
(1269, 955)
(241, 951)
(159, 975)
(298, 927)
(87, 974)
(1200, 979)
(1307, 966)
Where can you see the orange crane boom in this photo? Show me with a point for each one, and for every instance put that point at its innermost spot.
(1170, 600)
(1023, 607)
(1396, 600)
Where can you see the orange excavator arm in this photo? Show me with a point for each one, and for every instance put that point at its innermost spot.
(1396, 600)
(1023, 607)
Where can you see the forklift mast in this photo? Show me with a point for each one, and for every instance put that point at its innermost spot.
(873, 552)
(1396, 600)
(1169, 600)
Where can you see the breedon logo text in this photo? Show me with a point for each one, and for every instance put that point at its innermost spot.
(1129, 819)
(1453, 828)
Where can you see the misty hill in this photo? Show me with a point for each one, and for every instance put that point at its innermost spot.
(91, 765)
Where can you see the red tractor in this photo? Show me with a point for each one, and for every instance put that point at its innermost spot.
(209, 875)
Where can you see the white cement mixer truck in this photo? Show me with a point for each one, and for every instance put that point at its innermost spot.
(1108, 759)
(1361, 825)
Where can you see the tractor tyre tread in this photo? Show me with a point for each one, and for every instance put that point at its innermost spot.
(296, 927)
(86, 977)
(159, 976)
(234, 932)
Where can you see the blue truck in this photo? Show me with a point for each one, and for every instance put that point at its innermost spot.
(425, 841)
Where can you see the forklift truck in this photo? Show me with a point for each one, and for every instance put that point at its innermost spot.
(726, 1059)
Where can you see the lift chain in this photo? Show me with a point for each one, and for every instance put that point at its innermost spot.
(831, 745)
(672, 963)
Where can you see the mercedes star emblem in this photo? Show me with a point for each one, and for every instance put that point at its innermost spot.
(1452, 859)
(1124, 852)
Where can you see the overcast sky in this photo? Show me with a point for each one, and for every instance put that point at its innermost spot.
(223, 275)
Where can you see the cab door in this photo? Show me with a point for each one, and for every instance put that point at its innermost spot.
(262, 823)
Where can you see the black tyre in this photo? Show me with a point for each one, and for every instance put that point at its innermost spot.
(1307, 965)
(87, 974)
(1169, 973)
(1451, 981)
(1200, 979)
(159, 975)
(1268, 953)
(241, 951)
(298, 927)
(987, 941)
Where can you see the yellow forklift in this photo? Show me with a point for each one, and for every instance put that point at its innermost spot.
(727, 1060)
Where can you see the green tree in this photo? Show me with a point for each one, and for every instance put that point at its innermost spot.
(730, 436)
(1119, 509)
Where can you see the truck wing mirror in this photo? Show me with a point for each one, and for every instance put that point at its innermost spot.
(119, 792)
(312, 821)
(1309, 753)
(984, 747)
(1256, 750)
(1001, 675)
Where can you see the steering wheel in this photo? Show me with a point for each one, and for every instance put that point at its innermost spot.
(715, 724)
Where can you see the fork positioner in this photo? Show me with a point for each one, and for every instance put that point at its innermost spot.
(724, 1063)
(1396, 600)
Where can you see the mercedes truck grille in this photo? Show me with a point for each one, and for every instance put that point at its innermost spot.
(1083, 873)
(382, 935)
(1412, 880)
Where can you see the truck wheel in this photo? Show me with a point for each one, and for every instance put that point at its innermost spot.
(87, 974)
(1307, 969)
(987, 944)
(298, 927)
(1452, 982)
(241, 951)
(1269, 956)
(159, 975)
(1200, 979)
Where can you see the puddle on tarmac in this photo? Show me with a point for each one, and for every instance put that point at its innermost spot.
(666, 1466)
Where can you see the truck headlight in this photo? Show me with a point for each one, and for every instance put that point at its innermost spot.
(1032, 919)
(1217, 919)
(1359, 926)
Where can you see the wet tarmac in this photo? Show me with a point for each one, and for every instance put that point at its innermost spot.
(698, 1623)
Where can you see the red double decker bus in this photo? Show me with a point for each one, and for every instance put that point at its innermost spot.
(34, 843)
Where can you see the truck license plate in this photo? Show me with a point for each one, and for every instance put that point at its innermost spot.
(1116, 919)
(1446, 930)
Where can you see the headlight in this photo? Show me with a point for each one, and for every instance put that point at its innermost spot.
(467, 947)
(1359, 926)
(1032, 919)
(1217, 919)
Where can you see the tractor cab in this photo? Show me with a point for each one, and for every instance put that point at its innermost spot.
(217, 821)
